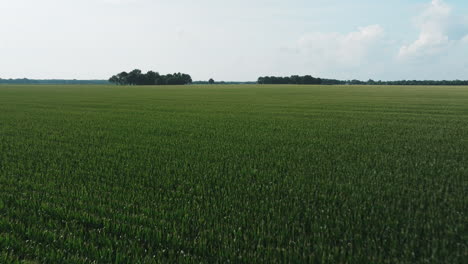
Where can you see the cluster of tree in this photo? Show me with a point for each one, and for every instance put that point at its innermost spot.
(403, 82)
(295, 79)
(52, 81)
(136, 77)
(310, 80)
(416, 82)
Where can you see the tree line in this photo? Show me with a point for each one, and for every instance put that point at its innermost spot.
(412, 82)
(153, 78)
(295, 79)
(51, 81)
(136, 77)
(307, 79)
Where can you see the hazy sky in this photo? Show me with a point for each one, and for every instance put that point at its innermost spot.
(235, 39)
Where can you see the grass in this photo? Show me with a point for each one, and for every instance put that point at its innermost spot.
(242, 174)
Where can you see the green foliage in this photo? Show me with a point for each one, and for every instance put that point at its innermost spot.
(295, 79)
(52, 81)
(242, 174)
(136, 77)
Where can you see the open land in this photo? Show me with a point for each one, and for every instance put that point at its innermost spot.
(246, 174)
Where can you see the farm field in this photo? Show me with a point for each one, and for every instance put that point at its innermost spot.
(240, 174)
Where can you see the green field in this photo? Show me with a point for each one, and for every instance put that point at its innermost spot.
(240, 174)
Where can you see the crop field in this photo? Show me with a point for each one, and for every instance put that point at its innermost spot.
(240, 174)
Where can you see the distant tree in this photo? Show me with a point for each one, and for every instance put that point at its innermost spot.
(295, 79)
(152, 78)
(122, 78)
(170, 79)
(211, 81)
(356, 82)
(114, 79)
(136, 77)
(187, 79)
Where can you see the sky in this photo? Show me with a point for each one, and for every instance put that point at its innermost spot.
(235, 40)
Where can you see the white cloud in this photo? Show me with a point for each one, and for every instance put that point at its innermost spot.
(465, 40)
(340, 49)
(434, 23)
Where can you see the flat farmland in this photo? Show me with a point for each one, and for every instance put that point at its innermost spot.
(241, 174)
